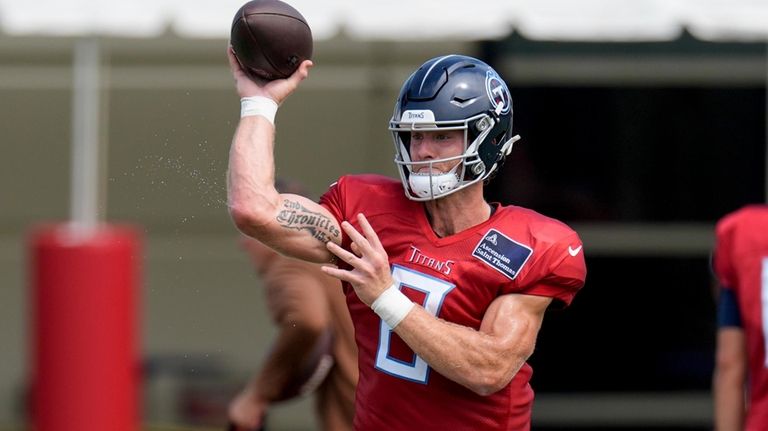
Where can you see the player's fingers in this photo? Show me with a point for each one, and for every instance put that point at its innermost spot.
(370, 234)
(342, 254)
(356, 249)
(304, 67)
(356, 237)
(341, 274)
(350, 277)
(234, 65)
(301, 73)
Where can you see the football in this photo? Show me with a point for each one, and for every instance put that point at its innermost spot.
(270, 39)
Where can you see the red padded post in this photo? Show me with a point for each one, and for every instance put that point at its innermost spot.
(84, 298)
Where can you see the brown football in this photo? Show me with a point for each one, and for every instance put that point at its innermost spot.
(270, 39)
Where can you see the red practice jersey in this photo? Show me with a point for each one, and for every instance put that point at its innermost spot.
(455, 278)
(741, 264)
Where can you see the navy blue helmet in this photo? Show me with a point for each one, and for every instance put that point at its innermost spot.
(453, 92)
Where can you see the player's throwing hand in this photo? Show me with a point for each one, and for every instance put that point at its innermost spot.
(277, 90)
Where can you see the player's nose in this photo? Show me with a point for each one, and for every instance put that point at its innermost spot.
(422, 150)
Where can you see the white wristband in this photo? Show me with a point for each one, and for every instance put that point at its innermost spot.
(392, 306)
(258, 105)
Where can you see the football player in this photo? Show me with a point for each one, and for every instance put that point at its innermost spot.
(740, 262)
(447, 292)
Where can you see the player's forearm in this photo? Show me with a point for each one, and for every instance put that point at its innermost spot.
(729, 379)
(252, 197)
(729, 400)
(482, 362)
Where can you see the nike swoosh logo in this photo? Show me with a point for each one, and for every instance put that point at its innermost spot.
(574, 251)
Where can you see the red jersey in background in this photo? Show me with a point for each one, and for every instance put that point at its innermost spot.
(741, 264)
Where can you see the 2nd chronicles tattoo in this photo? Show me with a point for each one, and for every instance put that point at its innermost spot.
(295, 216)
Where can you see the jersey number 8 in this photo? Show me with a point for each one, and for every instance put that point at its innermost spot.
(435, 291)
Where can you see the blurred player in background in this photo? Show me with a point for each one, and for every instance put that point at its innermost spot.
(447, 292)
(740, 263)
(314, 349)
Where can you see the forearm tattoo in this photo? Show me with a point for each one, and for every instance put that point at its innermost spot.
(295, 216)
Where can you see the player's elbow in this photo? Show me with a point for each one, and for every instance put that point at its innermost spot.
(729, 364)
(731, 356)
(488, 386)
(730, 369)
(249, 219)
(498, 373)
(491, 381)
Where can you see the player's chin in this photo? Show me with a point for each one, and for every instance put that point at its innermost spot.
(425, 171)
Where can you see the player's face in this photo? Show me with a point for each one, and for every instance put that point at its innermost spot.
(434, 145)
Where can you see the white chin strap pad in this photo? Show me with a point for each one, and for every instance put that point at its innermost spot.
(432, 185)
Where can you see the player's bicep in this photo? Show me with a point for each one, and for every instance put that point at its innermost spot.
(300, 228)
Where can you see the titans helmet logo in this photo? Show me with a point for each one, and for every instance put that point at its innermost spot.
(498, 93)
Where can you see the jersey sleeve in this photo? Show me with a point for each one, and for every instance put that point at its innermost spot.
(721, 258)
(333, 200)
(563, 271)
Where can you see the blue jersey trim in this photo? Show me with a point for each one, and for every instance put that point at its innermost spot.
(728, 309)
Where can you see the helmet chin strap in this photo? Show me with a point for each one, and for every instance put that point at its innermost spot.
(433, 185)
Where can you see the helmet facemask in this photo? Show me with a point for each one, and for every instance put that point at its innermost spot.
(431, 185)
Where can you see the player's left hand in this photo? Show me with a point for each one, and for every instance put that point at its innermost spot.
(370, 274)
